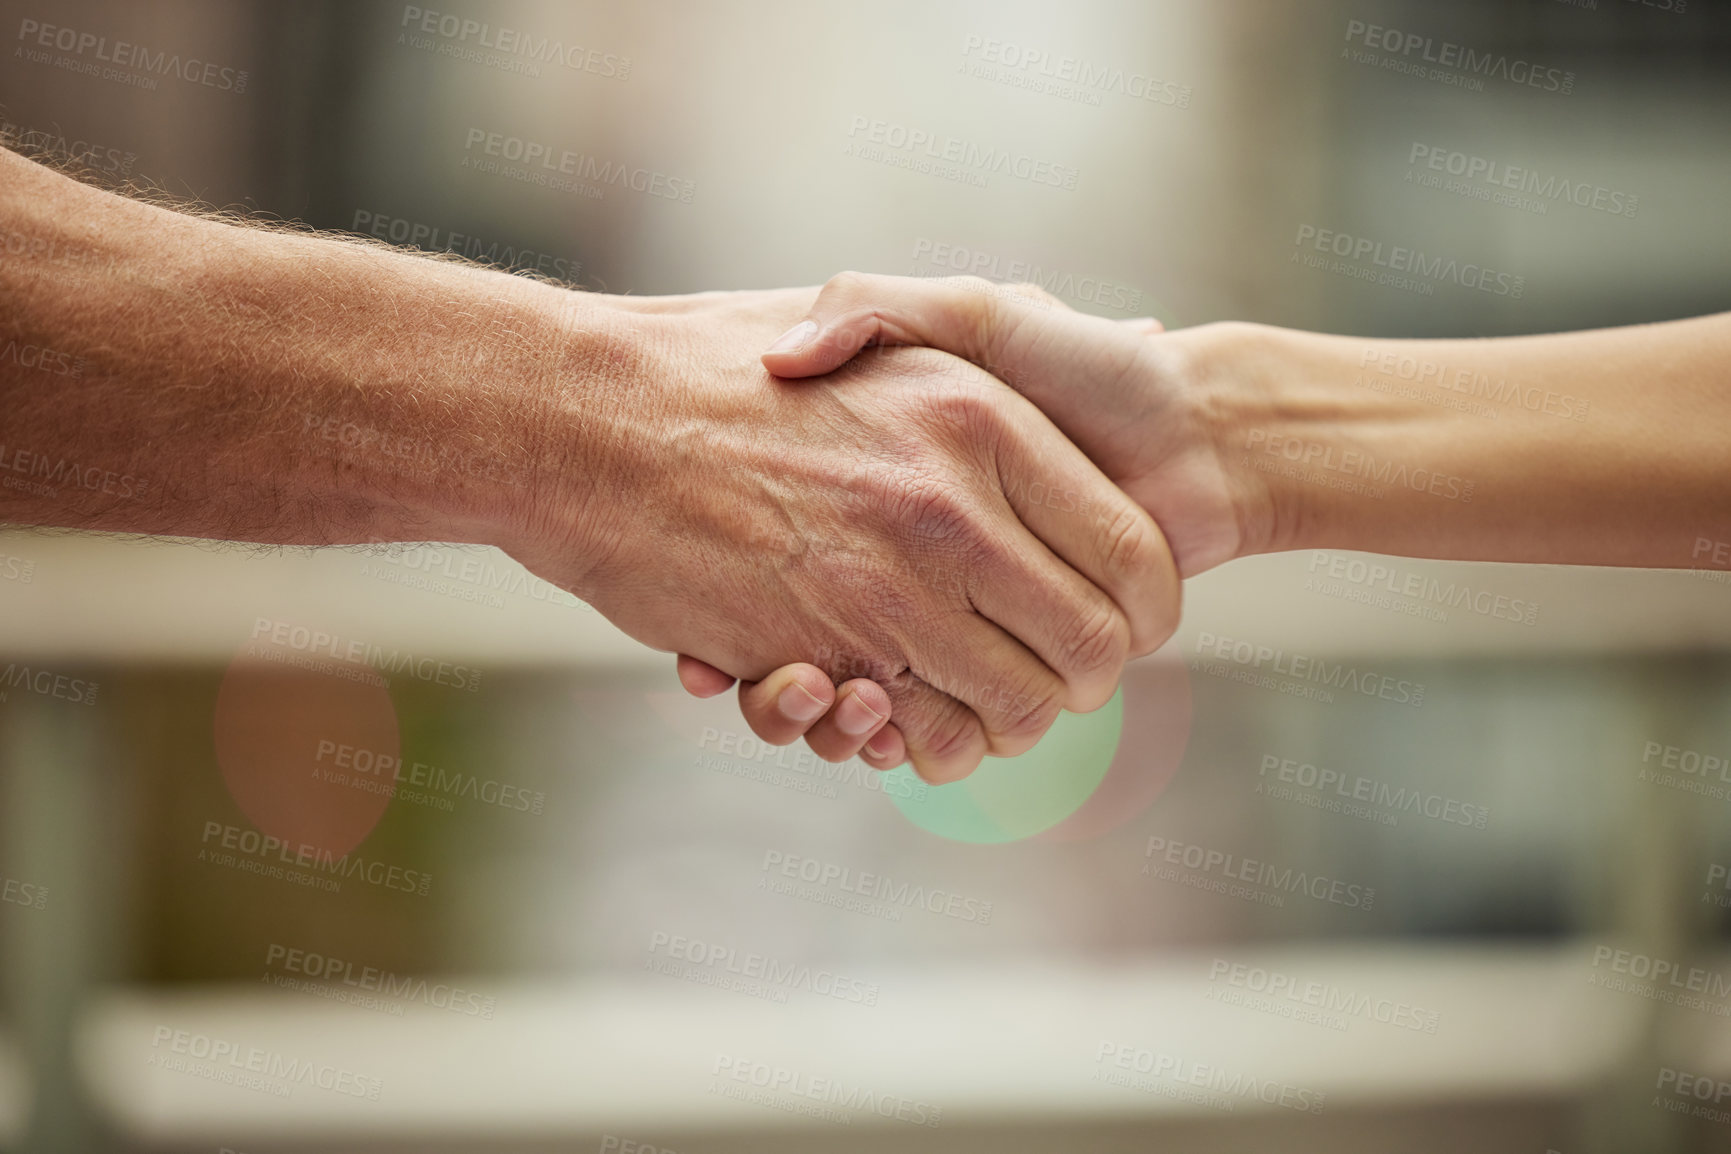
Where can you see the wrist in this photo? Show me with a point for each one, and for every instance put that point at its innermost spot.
(439, 437)
(1298, 444)
(484, 417)
(1230, 374)
(1321, 444)
(555, 404)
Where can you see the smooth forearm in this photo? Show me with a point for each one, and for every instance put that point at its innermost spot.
(1601, 447)
(218, 381)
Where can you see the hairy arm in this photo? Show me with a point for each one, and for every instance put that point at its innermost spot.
(173, 374)
(204, 380)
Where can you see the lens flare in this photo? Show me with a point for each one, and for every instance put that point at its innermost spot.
(308, 757)
(1091, 773)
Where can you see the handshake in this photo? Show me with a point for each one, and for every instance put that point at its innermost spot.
(914, 518)
(963, 506)
(968, 536)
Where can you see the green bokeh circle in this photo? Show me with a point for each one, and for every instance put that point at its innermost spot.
(1011, 798)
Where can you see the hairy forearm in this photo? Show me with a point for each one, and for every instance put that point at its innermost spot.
(172, 374)
(1602, 447)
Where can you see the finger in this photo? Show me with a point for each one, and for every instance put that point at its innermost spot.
(966, 316)
(702, 679)
(1013, 695)
(782, 706)
(861, 709)
(1101, 534)
(1076, 630)
(944, 738)
(886, 749)
(1149, 326)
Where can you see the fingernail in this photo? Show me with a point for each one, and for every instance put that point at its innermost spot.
(794, 338)
(853, 716)
(881, 743)
(798, 703)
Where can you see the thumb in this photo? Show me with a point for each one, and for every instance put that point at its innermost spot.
(799, 353)
(821, 343)
(855, 310)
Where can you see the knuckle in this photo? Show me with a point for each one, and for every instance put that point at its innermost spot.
(968, 414)
(846, 286)
(1101, 640)
(954, 738)
(934, 509)
(933, 500)
(1132, 543)
(968, 409)
(1015, 703)
(1030, 715)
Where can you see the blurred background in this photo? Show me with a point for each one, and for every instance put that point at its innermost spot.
(582, 912)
